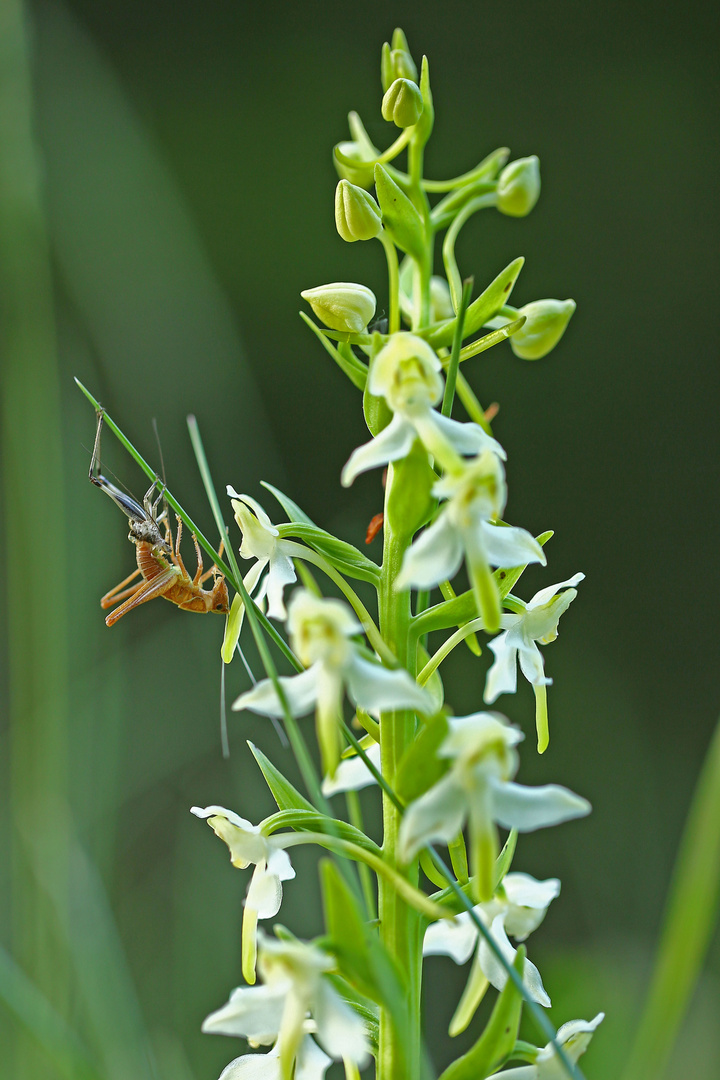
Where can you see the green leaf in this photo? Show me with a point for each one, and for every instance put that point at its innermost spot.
(291, 508)
(313, 821)
(496, 1043)
(285, 795)
(343, 556)
(420, 767)
(485, 307)
(363, 959)
(400, 217)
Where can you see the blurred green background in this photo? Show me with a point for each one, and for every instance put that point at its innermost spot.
(187, 191)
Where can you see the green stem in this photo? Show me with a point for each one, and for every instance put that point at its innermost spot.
(451, 269)
(400, 930)
(393, 282)
(451, 371)
(447, 647)
(355, 817)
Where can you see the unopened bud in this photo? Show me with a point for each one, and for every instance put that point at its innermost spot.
(342, 305)
(441, 306)
(357, 215)
(403, 103)
(396, 61)
(545, 325)
(519, 187)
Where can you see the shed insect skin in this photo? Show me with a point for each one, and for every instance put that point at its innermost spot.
(159, 561)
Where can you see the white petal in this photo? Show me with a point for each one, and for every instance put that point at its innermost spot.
(253, 1067)
(340, 1030)
(252, 1011)
(467, 438)
(529, 808)
(393, 442)
(376, 688)
(528, 901)
(496, 974)
(435, 556)
(546, 594)
(352, 774)
(452, 937)
(525, 1072)
(532, 665)
(437, 815)
(264, 895)
(502, 676)
(279, 860)
(300, 690)
(506, 545)
(312, 1062)
(280, 574)
(574, 1037)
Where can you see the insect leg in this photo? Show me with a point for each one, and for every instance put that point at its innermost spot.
(112, 597)
(199, 572)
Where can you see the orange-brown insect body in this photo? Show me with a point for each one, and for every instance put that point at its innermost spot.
(168, 579)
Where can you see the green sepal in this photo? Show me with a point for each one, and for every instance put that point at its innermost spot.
(354, 369)
(496, 1043)
(363, 960)
(409, 504)
(485, 307)
(343, 556)
(290, 507)
(313, 821)
(420, 767)
(505, 858)
(400, 218)
(285, 795)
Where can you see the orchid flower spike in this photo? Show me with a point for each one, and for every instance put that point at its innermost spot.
(312, 1063)
(407, 373)
(573, 1037)
(478, 788)
(476, 495)
(295, 983)
(518, 908)
(522, 632)
(320, 633)
(247, 845)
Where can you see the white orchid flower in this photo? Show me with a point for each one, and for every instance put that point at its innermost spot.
(573, 1037)
(294, 985)
(478, 789)
(407, 373)
(247, 845)
(261, 541)
(519, 641)
(312, 1064)
(352, 774)
(518, 908)
(464, 529)
(320, 631)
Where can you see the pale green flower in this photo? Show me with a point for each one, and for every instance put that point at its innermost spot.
(518, 908)
(538, 623)
(248, 845)
(464, 529)
(478, 789)
(261, 541)
(294, 986)
(574, 1038)
(408, 374)
(320, 634)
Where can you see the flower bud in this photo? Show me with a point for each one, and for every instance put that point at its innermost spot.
(403, 103)
(342, 305)
(440, 300)
(546, 322)
(519, 187)
(357, 215)
(396, 61)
